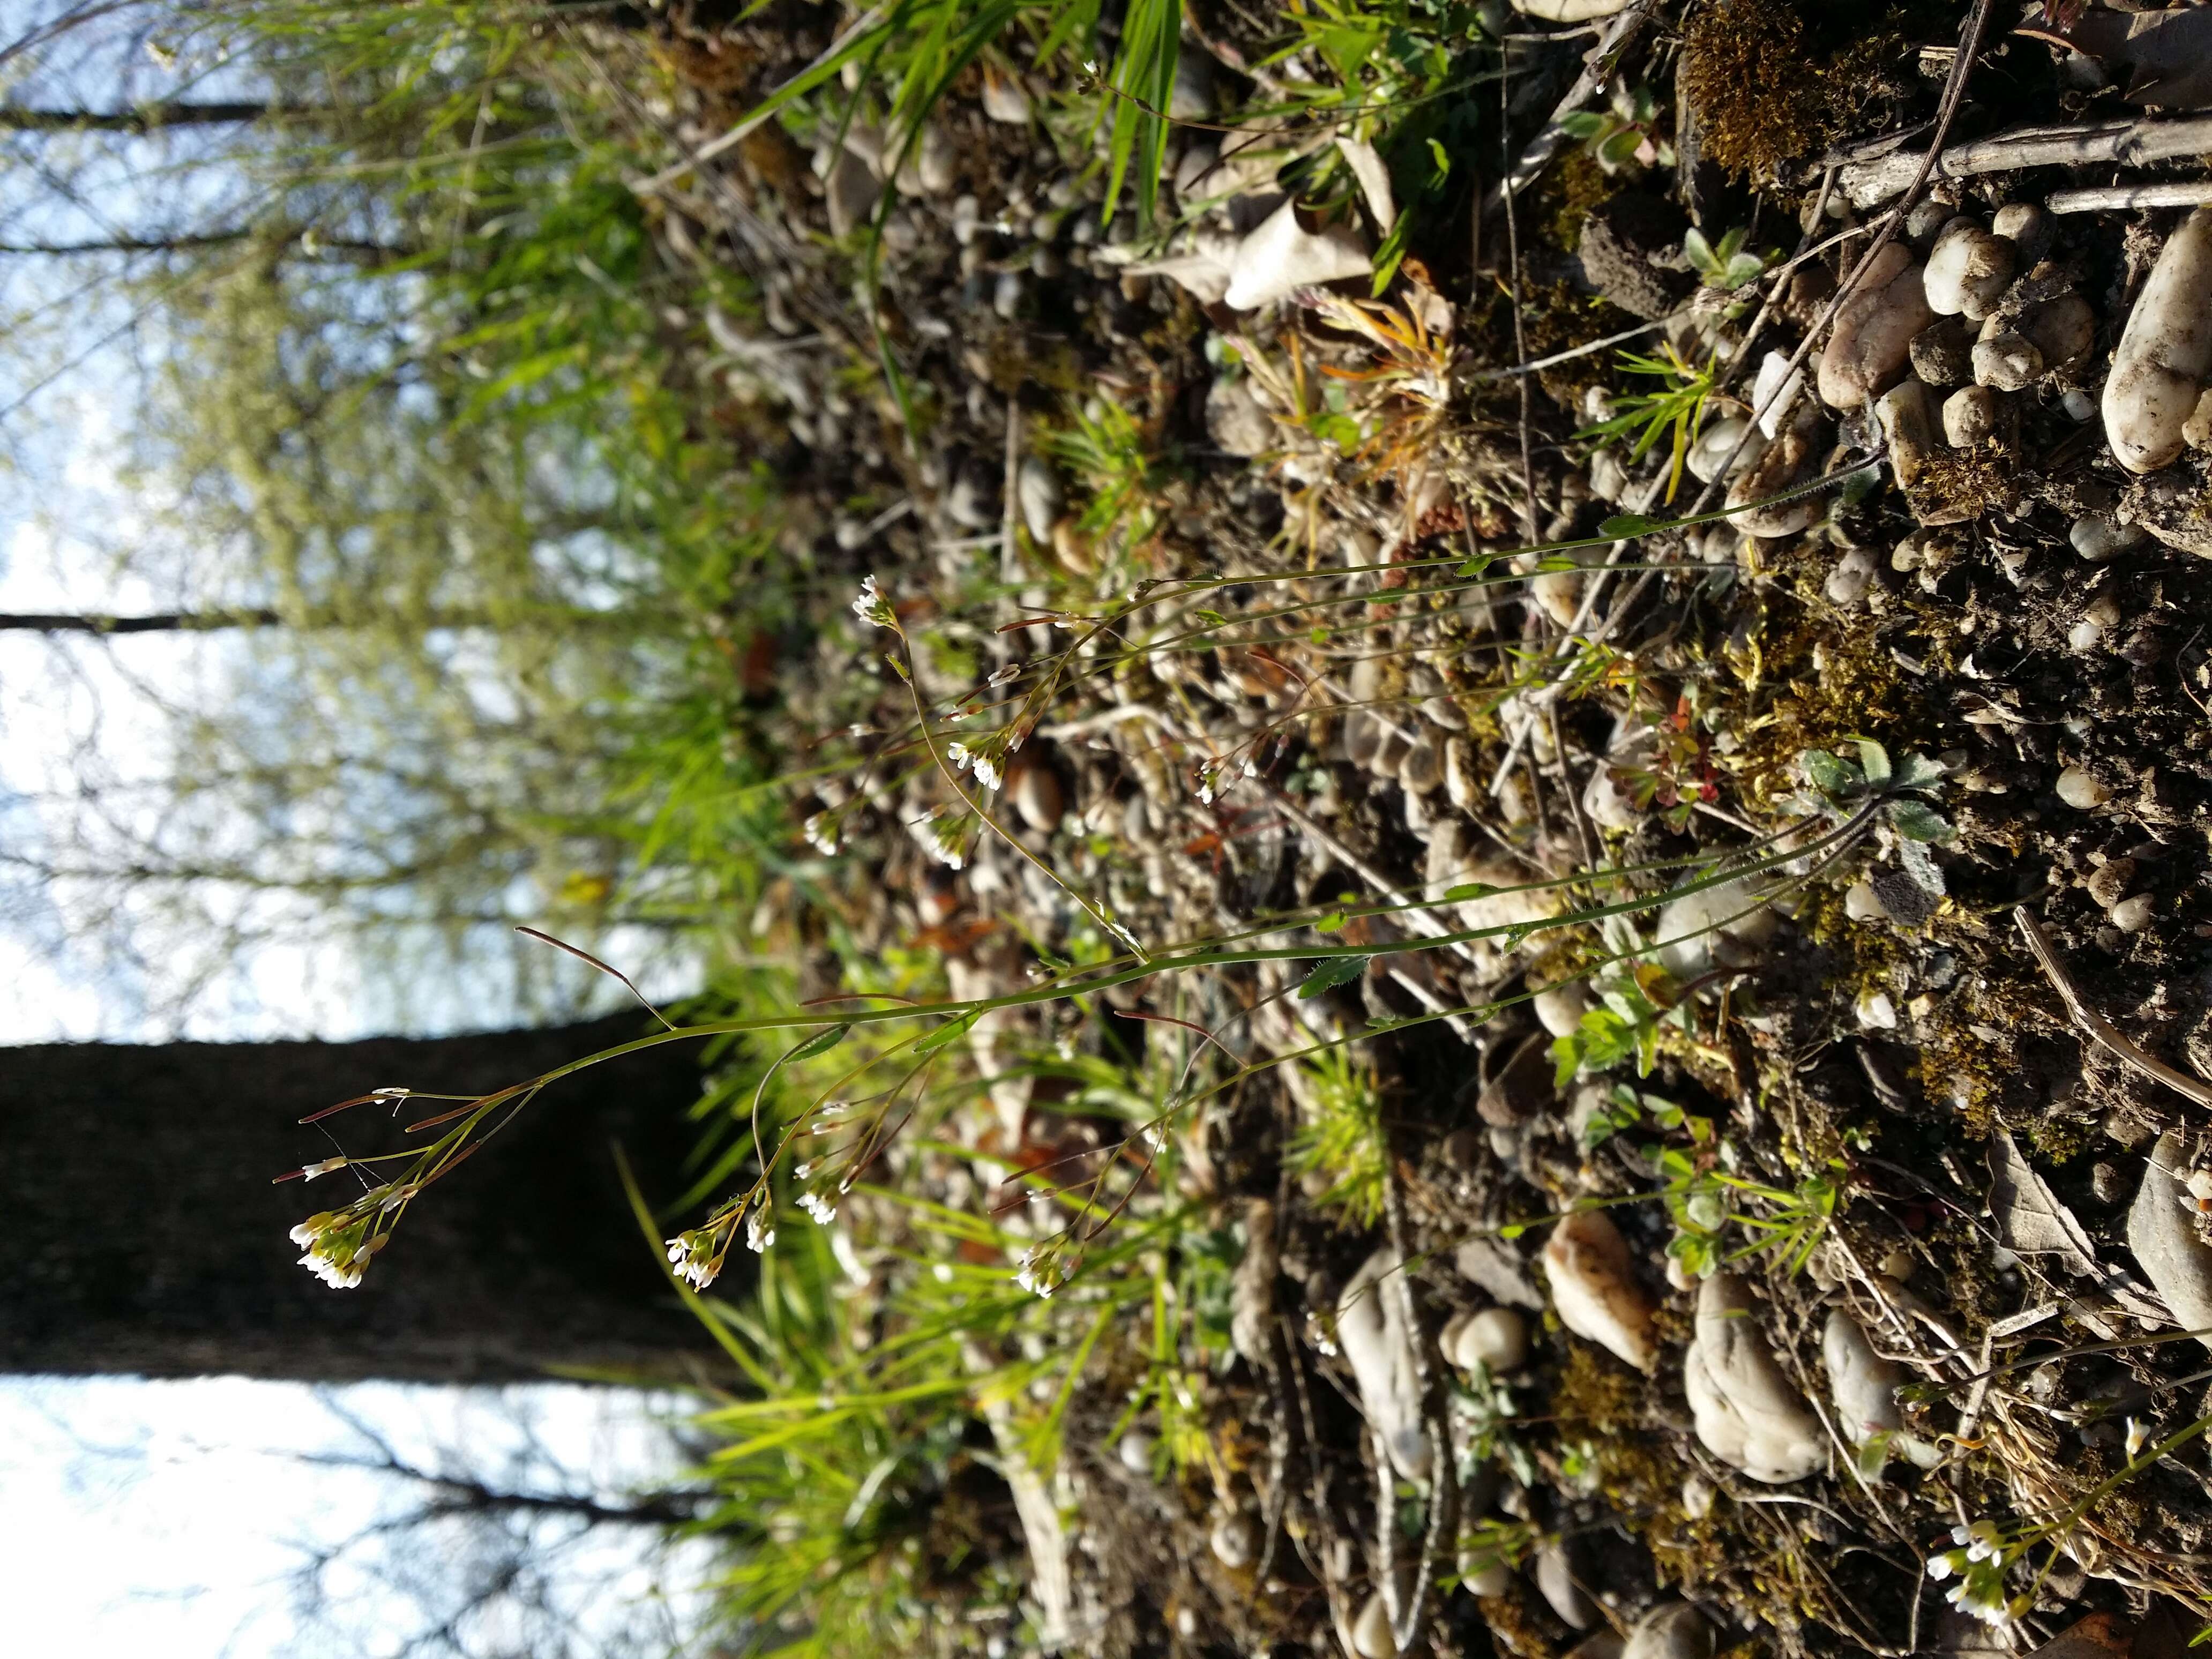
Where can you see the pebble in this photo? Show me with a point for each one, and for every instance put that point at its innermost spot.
(1770, 383)
(2078, 789)
(2131, 915)
(1235, 420)
(1005, 99)
(1423, 768)
(1925, 223)
(1848, 582)
(1482, 1574)
(2064, 330)
(1235, 1539)
(1495, 1339)
(2079, 405)
(1720, 926)
(1006, 296)
(1717, 442)
(1862, 903)
(1876, 1012)
(1943, 352)
(1967, 270)
(2008, 362)
(1697, 1495)
(1745, 1412)
(1559, 1008)
(1034, 788)
(1970, 416)
(1594, 1289)
(1555, 1583)
(1861, 1382)
(967, 219)
(2097, 539)
(1371, 1630)
(2026, 227)
(1675, 1630)
(1134, 1449)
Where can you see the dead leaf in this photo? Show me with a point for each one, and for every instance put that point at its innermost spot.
(2029, 1219)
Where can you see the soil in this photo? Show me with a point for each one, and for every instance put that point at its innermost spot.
(1884, 1036)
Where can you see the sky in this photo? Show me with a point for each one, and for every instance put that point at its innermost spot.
(171, 1517)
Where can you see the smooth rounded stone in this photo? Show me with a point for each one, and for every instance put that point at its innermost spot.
(1875, 1011)
(2008, 362)
(2080, 789)
(1608, 805)
(1362, 738)
(1861, 1382)
(1005, 99)
(1423, 768)
(1555, 1583)
(2162, 1234)
(1235, 1539)
(1774, 390)
(967, 503)
(1599, 1644)
(1235, 420)
(1943, 352)
(1862, 904)
(1594, 1290)
(2064, 330)
(2026, 227)
(1907, 420)
(1441, 711)
(1281, 256)
(1495, 1339)
(1718, 441)
(1867, 350)
(2165, 353)
(1569, 11)
(2131, 915)
(1034, 788)
(1006, 295)
(1968, 269)
(1371, 1630)
(1524, 1085)
(1697, 1496)
(2097, 539)
(1196, 174)
(2079, 406)
(1134, 1449)
(1745, 1411)
(1673, 1630)
(2197, 430)
(1038, 488)
(1608, 476)
(1718, 926)
(1559, 1008)
(2100, 618)
(1854, 574)
(1925, 223)
(967, 219)
(2108, 883)
(1371, 1329)
(1970, 416)
(1482, 1575)
(1391, 751)
(1789, 460)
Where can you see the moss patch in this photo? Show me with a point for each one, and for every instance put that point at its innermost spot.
(1770, 84)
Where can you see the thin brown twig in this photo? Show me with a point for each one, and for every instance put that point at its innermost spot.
(2100, 1028)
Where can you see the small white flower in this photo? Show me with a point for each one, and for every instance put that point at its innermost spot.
(819, 1208)
(957, 753)
(821, 832)
(322, 1169)
(871, 607)
(985, 773)
(2138, 1437)
(759, 1234)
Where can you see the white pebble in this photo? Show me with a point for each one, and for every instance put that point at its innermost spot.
(1235, 1539)
(1848, 582)
(2008, 362)
(1594, 1289)
(2026, 227)
(1862, 904)
(1482, 1574)
(1876, 1012)
(1495, 1339)
(2131, 915)
(1970, 415)
(1968, 269)
(2077, 788)
(1371, 1630)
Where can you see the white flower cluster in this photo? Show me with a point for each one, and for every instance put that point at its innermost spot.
(335, 1252)
(940, 834)
(692, 1255)
(823, 1209)
(759, 1233)
(1980, 1558)
(1039, 1271)
(821, 832)
(872, 607)
(962, 757)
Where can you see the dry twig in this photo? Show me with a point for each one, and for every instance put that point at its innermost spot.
(2100, 1029)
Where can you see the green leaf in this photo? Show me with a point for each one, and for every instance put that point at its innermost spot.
(944, 1034)
(1918, 821)
(1873, 761)
(1468, 890)
(1832, 774)
(1622, 525)
(1621, 149)
(1211, 618)
(1582, 124)
(1917, 772)
(1331, 972)
(821, 1043)
(1332, 923)
(1699, 252)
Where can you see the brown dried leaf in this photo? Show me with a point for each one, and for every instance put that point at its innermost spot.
(2029, 1219)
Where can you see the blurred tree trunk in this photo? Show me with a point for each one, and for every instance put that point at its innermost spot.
(141, 1232)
